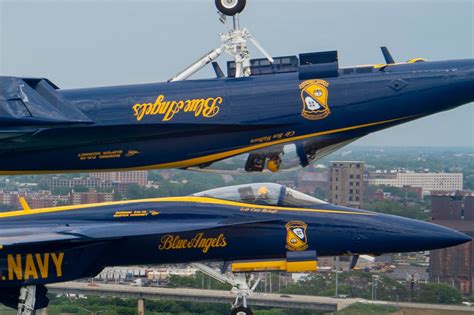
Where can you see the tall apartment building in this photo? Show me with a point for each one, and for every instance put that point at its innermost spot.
(427, 181)
(136, 177)
(454, 265)
(346, 183)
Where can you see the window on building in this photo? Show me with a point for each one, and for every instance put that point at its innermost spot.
(351, 184)
(351, 191)
(357, 198)
(351, 176)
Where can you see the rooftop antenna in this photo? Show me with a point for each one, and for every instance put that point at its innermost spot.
(234, 42)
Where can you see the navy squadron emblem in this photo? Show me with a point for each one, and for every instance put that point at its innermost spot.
(314, 94)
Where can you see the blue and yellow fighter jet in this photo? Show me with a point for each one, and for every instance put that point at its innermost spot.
(252, 228)
(272, 114)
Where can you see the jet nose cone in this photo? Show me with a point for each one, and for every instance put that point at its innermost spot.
(448, 237)
(470, 78)
(392, 234)
(468, 81)
(427, 236)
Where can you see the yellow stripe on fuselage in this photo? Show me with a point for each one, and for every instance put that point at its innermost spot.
(190, 199)
(216, 156)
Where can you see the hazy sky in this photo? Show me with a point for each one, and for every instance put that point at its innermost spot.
(95, 43)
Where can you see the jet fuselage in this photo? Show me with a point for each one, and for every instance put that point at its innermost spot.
(196, 123)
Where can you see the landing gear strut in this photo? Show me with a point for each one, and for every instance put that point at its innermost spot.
(27, 301)
(32, 298)
(243, 285)
(233, 42)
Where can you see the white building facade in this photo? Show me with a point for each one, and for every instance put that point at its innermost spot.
(427, 181)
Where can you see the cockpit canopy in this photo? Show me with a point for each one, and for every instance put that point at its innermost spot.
(262, 194)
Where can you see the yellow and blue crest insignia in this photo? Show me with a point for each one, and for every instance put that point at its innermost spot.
(296, 239)
(315, 94)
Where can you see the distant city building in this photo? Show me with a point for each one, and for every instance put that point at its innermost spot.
(80, 198)
(136, 177)
(427, 181)
(151, 274)
(309, 181)
(346, 183)
(45, 199)
(10, 198)
(74, 182)
(454, 265)
(381, 195)
(96, 183)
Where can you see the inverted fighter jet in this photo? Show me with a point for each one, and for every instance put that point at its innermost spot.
(251, 228)
(270, 114)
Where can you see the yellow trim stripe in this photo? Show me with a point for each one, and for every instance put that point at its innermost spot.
(414, 60)
(275, 265)
(191, 199)
(216, 156)
(271, 265)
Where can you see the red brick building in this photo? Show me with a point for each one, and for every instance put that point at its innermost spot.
(454, 265)
(92, 196)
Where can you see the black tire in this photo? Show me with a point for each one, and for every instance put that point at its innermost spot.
(231, 7)
(241, 311)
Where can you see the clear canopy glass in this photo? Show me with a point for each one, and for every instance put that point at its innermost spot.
(262, 194)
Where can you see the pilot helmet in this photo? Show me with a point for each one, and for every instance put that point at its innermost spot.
(263, 192)
(274, 165)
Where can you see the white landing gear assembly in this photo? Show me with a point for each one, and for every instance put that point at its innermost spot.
(30, 299)
(243, 285)
(243, 282)
(234, 42)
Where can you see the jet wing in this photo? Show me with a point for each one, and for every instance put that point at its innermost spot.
(102, 231)
(27, 237)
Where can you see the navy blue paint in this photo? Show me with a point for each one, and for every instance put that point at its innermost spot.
(97, 239)
(258, 106)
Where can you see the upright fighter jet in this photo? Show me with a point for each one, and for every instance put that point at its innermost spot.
(251, 228)
(271, 114)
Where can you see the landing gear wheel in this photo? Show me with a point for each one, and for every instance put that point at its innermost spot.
(241, 311)
(231, 7)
